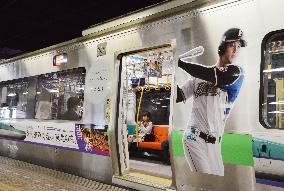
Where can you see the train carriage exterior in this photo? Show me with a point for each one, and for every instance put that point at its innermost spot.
(121, 67)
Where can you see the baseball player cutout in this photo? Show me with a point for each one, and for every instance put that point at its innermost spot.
(214, 90)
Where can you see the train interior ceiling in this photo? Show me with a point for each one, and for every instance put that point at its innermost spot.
(147, 88)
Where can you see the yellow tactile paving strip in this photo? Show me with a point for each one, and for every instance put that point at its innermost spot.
(21, 176)
(156, 182)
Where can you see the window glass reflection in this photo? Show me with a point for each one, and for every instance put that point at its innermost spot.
(14, 95)
(273, 86)
(60, 95)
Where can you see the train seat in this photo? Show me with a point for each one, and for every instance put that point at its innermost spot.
(161, 135)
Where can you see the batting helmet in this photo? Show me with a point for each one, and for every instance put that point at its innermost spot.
(231, 35)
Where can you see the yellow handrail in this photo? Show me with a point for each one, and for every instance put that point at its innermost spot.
(279, 99)
(137, 116)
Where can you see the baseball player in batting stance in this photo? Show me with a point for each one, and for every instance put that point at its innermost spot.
(214, 90)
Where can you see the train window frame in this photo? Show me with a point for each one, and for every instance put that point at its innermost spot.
(26, 90)
(266, 40)
(60, 115)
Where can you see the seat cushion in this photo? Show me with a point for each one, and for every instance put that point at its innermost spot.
(150, 145)
(161, 135)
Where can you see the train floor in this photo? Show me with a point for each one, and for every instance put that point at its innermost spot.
(150, 167)
(21, 176)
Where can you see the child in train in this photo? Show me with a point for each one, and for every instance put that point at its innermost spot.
(144, 129)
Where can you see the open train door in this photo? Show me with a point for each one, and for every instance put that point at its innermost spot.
(143, 118)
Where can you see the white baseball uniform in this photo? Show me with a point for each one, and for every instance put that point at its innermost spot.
(213, 98)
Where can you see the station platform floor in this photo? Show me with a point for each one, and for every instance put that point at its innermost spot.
(16, 175)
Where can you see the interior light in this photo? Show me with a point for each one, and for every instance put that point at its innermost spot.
(277, 103)
(274, 70)
(276, 111)
(11, 94)
(54, 91)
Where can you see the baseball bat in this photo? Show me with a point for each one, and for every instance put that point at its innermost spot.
(197, 51)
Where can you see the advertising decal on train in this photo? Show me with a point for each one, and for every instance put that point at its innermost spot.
(214, 90)
(92, 140)
(98, 82)
(83, 137)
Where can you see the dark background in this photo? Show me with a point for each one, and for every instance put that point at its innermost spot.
(28, 25)
(153, 102)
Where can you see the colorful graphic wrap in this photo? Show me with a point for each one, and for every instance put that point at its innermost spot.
(92, 140)
(9, 131)
(65, 135)
(268, 155)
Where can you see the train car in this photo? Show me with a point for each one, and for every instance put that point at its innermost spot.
(143, 101)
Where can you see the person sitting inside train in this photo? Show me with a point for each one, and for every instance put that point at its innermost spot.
(144, 128)
(72, 109)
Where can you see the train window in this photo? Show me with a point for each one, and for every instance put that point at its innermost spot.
(60, 95)
(272, 81)
(14, 98)
(157, 103)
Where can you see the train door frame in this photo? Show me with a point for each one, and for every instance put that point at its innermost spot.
(122, 168)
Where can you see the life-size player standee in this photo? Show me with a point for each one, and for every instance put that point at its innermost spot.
(214, 90)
